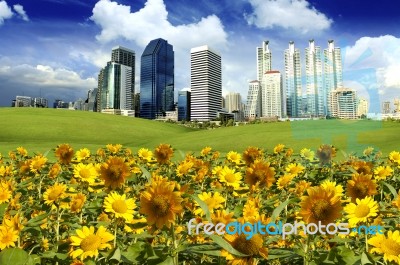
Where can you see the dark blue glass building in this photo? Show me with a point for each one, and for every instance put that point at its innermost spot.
(184, 105)
(157, 79)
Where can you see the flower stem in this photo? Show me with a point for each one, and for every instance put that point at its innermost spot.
(115, 233)
(175, 245)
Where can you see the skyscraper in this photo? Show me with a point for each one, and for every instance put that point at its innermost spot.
(272, 95)
(116, 81)
(125, 56)
(206, 83)
(253, 103)
(344, 103)
(293, 81)
(333, 72)
(157, 79)
(314, 80)
(233, 102)
(184, 105)
(264, 60)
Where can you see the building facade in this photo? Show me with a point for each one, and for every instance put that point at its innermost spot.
(253, 103)
(264, 60)
(333, 78)
(206, 84)
(184, 105)
(314, 80)
(344, 103)
(156, 79)
(293, 81)
(362, 107)
(271, 95)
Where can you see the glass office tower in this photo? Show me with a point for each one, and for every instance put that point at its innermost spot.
(157, 79)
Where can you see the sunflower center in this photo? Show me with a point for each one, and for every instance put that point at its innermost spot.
(160, 205)
(230, 177)
(120, 206)
(361, 190)
(390, 247)
(115, 171)
(84, 173)
(90, 243)
(54, 194)
(249, 247)
(362, 210)
(320, 209)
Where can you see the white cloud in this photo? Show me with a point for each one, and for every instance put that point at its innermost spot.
(5, 12)
(297, 15)
(382, 54)
(150, 22)
(21, 12)
(46, 76)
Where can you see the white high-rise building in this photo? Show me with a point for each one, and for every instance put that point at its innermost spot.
(264, 60)
(271, 94)
(119, 93)
(233, 102)
(332, 72)
(206, 84)
(362, 107)
(253, 103)
(293, 81)
(344, 103)
(314, 80)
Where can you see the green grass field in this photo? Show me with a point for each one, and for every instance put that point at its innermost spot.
(40, 130)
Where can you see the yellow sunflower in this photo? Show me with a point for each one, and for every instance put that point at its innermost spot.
(5, 194)
(183, 168)
(205, 151)
(37, 163)
(284, 181)
(8, 237)
(86, 172)
(14, 223)
(251, 154)
(332, 186)
(301, 187)
(368, 151)
(230, 177)
(22, 151)
(253, 248)
(382, 172)
(160, 203)
(361, 186)
(394, 156)
(119, 206)
(320, 205)
(222, 216)
(295, 169)
(89, 243)
(145, 155)
(82, 154)
(64, 153)
(388, 246)
(114, 148)
(396, 202)
(77, 202)
(54, 193)
(114, 172)
(163, 153)
(361, 211)
(213, 201)
(234, 157)
(307, 154)
(261, 173)
(279, 148)
(54, 170)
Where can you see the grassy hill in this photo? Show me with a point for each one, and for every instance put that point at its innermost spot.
(42, 129)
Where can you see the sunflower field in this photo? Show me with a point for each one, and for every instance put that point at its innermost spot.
(123, 207)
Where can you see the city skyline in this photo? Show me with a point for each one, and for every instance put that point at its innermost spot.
(59, 46)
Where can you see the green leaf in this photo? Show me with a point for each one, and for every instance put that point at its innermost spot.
(90, 262)
(33, 260)
(3, 208)
(36, 221)
(203, 206)
(133, 252)
(279, 209)
(225, 245)
(168, 261)
(280, 253)
(116, 255)
(392, 190)
(14, 256)
(146, 173)
(205, 249)
(366, 259)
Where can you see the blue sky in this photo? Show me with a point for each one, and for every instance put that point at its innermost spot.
(55, 48)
